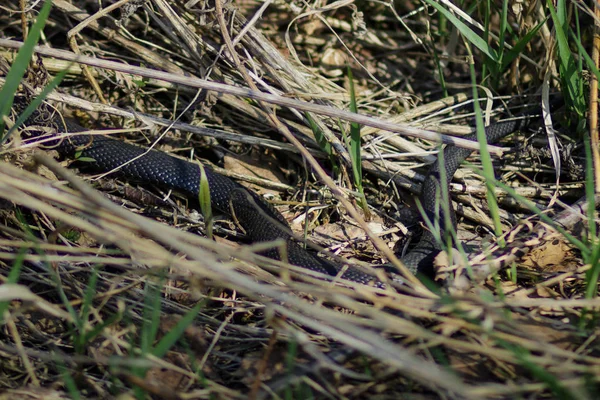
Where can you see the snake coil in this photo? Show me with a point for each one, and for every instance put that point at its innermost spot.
(158, 168)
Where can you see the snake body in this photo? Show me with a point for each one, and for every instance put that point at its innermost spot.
(259, 220)
(420, 259)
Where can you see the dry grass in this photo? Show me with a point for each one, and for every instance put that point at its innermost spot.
(105, 280)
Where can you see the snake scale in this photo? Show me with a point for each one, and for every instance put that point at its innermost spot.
(260, 221)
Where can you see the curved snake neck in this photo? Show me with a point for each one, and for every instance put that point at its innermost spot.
(260, 221)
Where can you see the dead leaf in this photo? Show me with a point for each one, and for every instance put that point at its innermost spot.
(259, 165)
(551, 255)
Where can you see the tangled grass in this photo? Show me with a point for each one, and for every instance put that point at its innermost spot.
(108, 290)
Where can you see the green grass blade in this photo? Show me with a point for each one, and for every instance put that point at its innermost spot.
(323, 143)
(80, 322)
(467, 32)
(29, 235)
(553, 383)
(19, 66)
(90, 291)
(169, 340)
(486, 159)
(571, 77)
(355, 143)
(35, 103)
(151, 321)
(204, 200)
(12, 278)
(319, 137)
(586, 57)
(355, 147)
(68, 380)
(518, 48)
(593, 274)
(503, 29)
(93, 333)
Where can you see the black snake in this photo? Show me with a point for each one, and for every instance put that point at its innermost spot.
(260, 221)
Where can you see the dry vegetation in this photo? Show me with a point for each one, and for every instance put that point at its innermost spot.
(118, 292)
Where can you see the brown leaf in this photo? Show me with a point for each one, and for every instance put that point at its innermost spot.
(551, 255)
(257, 165)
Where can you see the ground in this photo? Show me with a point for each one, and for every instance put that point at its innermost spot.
(112, 289)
